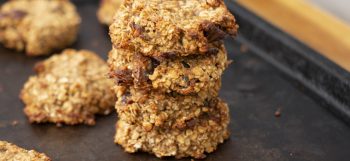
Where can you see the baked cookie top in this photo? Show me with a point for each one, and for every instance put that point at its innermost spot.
(107, 10)
(162, 28)
(38, 27)
(185, 75)
(11, 152)
(69, 88)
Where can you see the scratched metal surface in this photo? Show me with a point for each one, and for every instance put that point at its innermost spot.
(253, 89)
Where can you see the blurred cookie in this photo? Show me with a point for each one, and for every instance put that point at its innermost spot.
(10, 152)
(151, 109)
(107, 10)
(202, 137)
(184, 75)
(69, 88)
(161, 28)
(38, 27)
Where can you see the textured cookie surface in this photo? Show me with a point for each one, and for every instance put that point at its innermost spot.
(184, 75)
(202, 137)
(153, 109)
(161, 28)
(10, 152)
(69, 88)
(38, 27)
(107, 10)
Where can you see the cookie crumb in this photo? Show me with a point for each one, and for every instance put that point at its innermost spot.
(278, 112)
(14, 122)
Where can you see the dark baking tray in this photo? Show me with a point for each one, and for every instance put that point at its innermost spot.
(271, 71)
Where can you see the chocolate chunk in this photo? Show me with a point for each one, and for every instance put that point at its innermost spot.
(141, 76)
(123, 76)
(142, 66)
(212, 32)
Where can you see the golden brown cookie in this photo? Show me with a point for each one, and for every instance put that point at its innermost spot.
(161, 28)
(154, 109)
(202, 137)
(107, 10)
(69, 88)
(10, 152)
(38, 27)
(184, 75)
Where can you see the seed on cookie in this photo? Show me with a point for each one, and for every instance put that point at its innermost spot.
(69, 88)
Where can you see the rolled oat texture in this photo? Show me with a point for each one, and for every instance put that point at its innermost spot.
(153, 109)
(162, 29)
(38, 27)
(11, 152)
(202, 137)
(167, 61)
(69, 88)
(183, 75)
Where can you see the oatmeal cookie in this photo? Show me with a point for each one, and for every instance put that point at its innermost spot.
(202, 137)
(10, 152)
(69, 88)
(184, 75)
(107, 9)
(153, 109)
(161, 28)
(38, 27)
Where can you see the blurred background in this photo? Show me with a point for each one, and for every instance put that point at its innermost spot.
(323, 25)
(339, 8)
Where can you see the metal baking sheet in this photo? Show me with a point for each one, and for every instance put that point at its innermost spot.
(255, 86)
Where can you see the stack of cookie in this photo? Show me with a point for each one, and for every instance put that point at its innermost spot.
(167, 61)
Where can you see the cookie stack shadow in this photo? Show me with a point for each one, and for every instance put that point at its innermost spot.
(167, 74)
